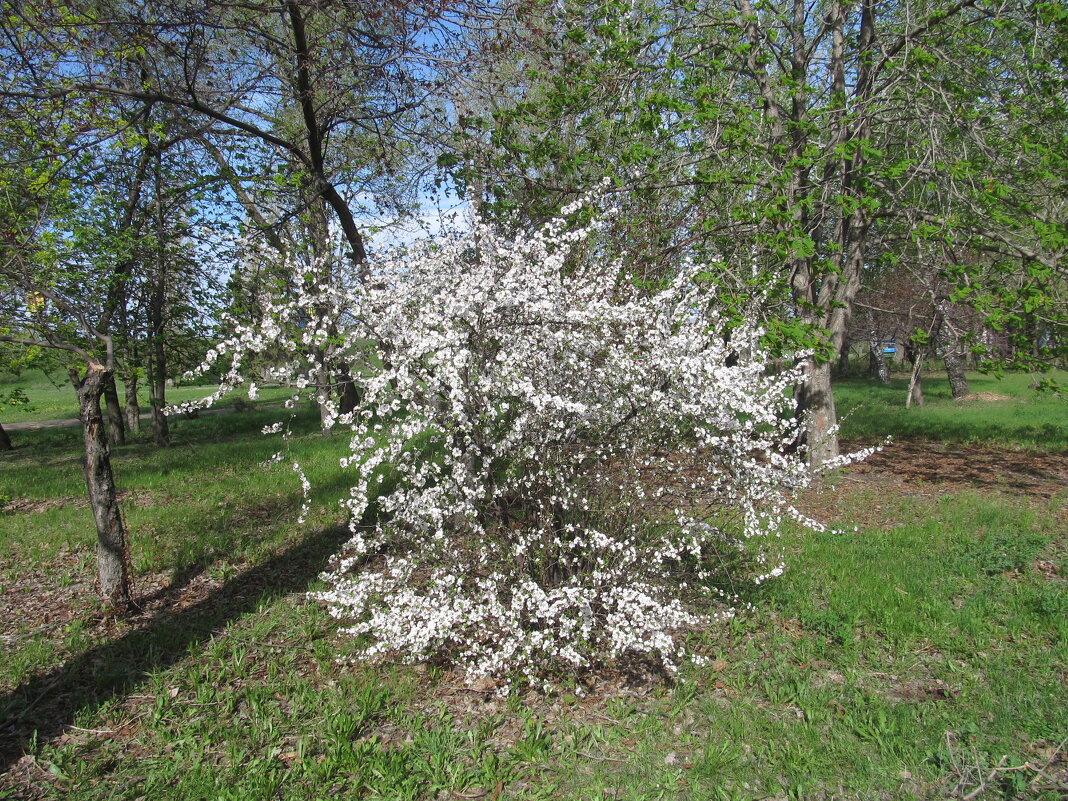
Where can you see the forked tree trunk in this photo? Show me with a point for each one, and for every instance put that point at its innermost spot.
(116, 425)
(133, 407)
(815, 402)
(5, 440)
(112, 557)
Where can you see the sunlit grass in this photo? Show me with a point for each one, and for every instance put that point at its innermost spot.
(886, 663)
(51, 396)
(1027, 418)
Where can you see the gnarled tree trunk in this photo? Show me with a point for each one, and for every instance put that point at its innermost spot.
(843, 359)
(322, 392)
(112, 557)
(349, 396)
(877, 366)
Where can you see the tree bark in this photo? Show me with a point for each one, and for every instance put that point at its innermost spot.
(5, 441)
(116, 424)
(815, 403)
(915, 396)
(877, 366)
(326, 191)
(157, 394)
(951, 358)
(157, 367)
(349, 396)
(133, 406)
(112, 554)
(843, 360)
(157, 358)
(958, 382)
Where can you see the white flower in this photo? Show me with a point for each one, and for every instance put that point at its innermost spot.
(522, 412)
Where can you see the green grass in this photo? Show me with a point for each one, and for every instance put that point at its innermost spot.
(51, 397)
(905, 660)
(1028, 419)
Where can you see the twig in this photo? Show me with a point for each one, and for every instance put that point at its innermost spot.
(983, 784)
(198, 703)
(599, 758)
(605, 717)
(26, 709)
(92, 731)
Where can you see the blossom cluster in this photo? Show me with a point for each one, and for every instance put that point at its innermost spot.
(562, 465)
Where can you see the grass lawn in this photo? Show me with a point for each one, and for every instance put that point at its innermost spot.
(921, 652)
(1007, 413)
(51, 397)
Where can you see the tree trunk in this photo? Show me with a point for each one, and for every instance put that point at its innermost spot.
(133, 407)
(349, 396)
(958, 382)
(915, 396)
(157, 356)
(843, 360)
(5, 440)
(877, 366)
(112, 554)
(116, 425)
(157, 368)
(815, 402)
(157, 394)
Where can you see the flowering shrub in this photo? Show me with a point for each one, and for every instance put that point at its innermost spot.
(559, 462)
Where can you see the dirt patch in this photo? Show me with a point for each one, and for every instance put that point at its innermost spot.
(983, 396)
(33, 506)
(1036, 475)
(39, 505)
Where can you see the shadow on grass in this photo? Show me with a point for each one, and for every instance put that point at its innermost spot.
(44, 705)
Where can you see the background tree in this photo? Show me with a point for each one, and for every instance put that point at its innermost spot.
(792, 141)
(48, 300)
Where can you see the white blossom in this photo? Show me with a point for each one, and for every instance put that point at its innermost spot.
(560, 462)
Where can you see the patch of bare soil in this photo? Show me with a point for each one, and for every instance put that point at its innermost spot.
(926, 465)
(928, 470)
(983, 396)
(38, 505)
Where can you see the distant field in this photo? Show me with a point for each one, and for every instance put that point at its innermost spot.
(52, 396)
(1026, 418)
